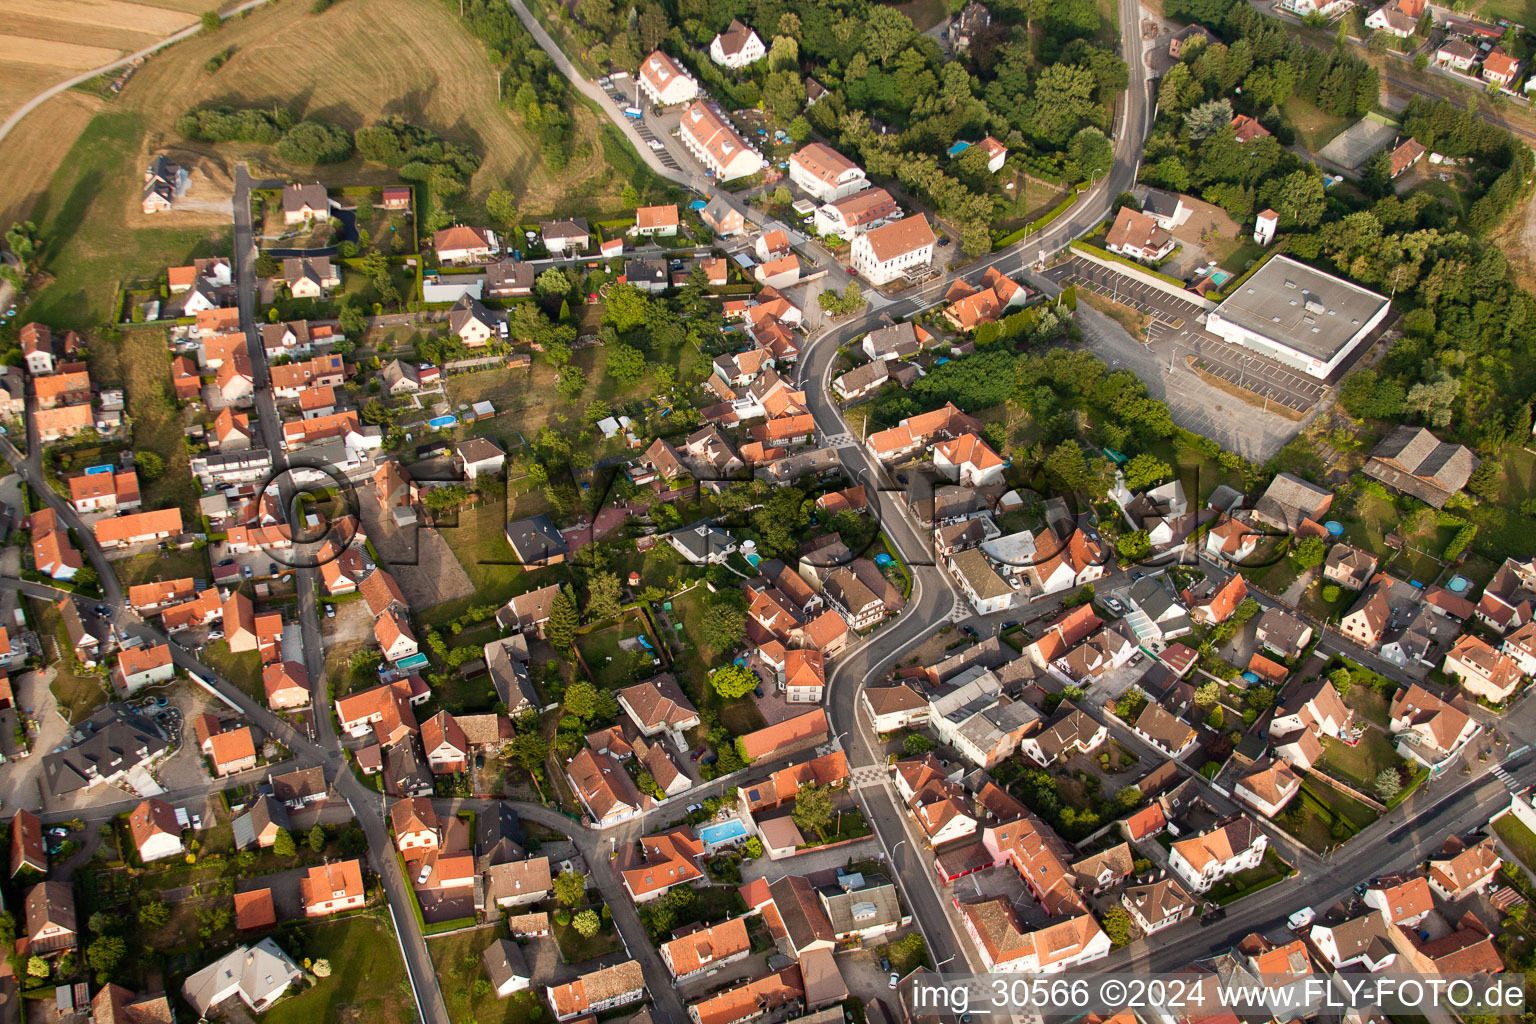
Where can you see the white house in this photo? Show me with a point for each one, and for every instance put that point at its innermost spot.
(984, 588)
(825, 174)
(664, 83)
(1362, 941)
(853, 215)
(716, 145)
(156, 833)
(1237, 844)
(1268, 787)
(1138, 236)
(969, 461)
(899, 248)
(737, 47)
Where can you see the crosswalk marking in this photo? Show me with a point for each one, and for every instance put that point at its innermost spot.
(868, 775)
(1507, 779)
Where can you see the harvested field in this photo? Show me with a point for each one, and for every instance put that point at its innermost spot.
(130, 17)
(75, 32)
(390, 55)
(54, 54)
(36, 146)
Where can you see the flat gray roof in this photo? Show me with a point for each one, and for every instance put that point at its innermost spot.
(1300, 307)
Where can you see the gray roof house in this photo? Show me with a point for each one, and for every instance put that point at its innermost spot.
(863, 905)
(265, 817)
(507, 967)
(702, 544)
(258, 974)
(536, 542)
(118, 740)
(505, 660)
(1156, 614)
(1289, 501)
(1416, 462)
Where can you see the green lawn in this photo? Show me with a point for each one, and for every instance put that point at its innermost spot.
(1370, 705)
(1360, 764)
(612, 666)
(1245, 883)
(242, 668)
(1520, 840)
(87, 244)
(77, 693)
(693, 665)
(479, 542)
(459, 972)
(1342, 804)
(163, 565)
(367, 982)
(576, 948)
(1314, 129)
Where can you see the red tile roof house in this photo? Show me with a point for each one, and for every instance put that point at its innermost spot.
(1138, 236)
(1484, 671)
(706, 949)
(1500, 68)
(254, 910)
(109, 492)
(332, 888)
(138, 528)
(663, 861)
(655, 220)
(658, 705)
(27, 848)
(286, 684)
(1461, 871)
(233, 751)
(664, 83)
(156, 833)
(385, 710)
(138, 667)
(445, 744)
(894, 250)
(415, 824)
(784, 738)
(598, 991)
(148, 598)
(605, 788)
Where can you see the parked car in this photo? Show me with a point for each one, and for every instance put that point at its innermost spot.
(216, 635)
(970, 631)
(330, 611)
(696, 754)
(245, 571)
(1114, 605)
(895, 978)
(757, 691)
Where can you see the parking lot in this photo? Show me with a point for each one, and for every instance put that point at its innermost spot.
(1175, 332)
(621, 90)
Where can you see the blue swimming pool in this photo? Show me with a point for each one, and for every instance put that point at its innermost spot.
(722, 832)
(1220, 277)
(442, 421)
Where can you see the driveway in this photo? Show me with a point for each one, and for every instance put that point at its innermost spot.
(23, 778)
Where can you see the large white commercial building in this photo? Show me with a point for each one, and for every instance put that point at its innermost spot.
(901, 247)
(1299, 316)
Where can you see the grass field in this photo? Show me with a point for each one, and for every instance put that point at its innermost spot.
(693, 665)
(172, 565)
(610, 664)
(77, 693)
(1520, 840)
(1369, 704)
(242, 668)
(1314, 129)
(456, 959)
(1359, 765)
(479, 543)
(367, 981)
